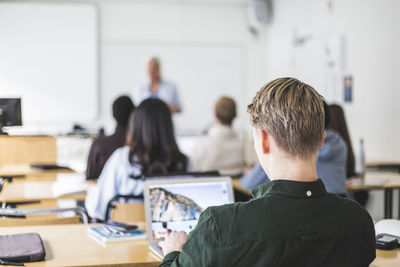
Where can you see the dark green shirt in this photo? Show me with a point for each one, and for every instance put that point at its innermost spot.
(288, 223)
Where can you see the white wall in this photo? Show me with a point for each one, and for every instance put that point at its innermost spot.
(371, 53)
(49, 57)
(190, 26)
(168, 24)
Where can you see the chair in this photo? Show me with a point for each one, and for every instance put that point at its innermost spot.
(128, 213)
(111, 205)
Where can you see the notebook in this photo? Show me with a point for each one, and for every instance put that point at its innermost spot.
(106, 234)
(176, 204)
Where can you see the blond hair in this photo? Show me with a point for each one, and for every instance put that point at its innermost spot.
(292, 112)
(225, 110)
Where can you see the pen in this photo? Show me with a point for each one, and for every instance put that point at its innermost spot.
(3, 262)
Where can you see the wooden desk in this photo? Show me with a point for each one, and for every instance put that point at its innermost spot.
(28, 149)
(375, 180)
(26, 170)
(385, 258)
(23, 191)
(69, 245)
(384, 165)
(387, 181)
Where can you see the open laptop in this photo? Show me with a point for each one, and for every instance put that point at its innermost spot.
(176, 204)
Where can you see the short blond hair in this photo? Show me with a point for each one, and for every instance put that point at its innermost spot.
(225, 110)
(293, 113)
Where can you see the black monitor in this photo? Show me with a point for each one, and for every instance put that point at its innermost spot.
(10, 113)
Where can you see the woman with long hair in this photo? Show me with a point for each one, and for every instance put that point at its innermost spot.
(338, 124)
(151, 150)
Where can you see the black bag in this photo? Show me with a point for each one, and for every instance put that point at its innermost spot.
(22, 248)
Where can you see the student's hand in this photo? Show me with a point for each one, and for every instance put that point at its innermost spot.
(173, 242)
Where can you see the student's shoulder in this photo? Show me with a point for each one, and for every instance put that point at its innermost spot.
(226, 212)
(351, 211)
(345, 203)
(121, 154)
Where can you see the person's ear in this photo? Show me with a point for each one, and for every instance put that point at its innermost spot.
(265, 142)
(322, 141)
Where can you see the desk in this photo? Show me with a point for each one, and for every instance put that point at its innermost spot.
(385, 258)
(28, 149)
(384, 165)
(26, 170)
(27, 191)
(386, 181)
(70, 245)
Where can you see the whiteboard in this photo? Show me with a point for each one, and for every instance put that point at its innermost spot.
(201, 72)
(49, 57)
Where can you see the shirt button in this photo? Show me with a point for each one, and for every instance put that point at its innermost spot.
(309, 193)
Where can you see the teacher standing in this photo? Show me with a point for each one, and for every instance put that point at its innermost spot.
(156, 87)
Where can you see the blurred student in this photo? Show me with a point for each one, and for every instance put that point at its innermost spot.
(221, 149)
(104, 146)
(157, 87)
(331, 163)
(292, 220)
(151, 149)
(338, 124)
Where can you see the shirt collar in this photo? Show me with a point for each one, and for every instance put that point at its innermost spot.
(290, 188)
(219, 129)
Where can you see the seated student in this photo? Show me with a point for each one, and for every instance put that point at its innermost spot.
(221, 149)
(338, 124)
(292, 220)
(151, 149)
(331, 163)
(104, 146)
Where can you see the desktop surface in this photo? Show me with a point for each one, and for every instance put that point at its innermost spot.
(70, 245)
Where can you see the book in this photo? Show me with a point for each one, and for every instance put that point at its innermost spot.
(106, 234)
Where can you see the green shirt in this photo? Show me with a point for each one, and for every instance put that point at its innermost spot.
(288, 223)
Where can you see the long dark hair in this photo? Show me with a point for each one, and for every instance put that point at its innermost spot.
(338, 124)
(151, 139)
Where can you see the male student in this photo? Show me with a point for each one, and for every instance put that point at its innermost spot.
(157, 87)
(292, 220)
(221, 149)
(331, 163)
(103, 147)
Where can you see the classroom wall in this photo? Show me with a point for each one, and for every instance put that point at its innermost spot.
(368, 29)
(368, 37)
(169, 24)
(192, 26)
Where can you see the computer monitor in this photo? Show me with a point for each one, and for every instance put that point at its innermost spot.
(10, 113)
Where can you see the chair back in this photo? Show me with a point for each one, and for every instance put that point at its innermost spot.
(128, 213)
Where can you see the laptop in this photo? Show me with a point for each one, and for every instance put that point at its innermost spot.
(176, 204)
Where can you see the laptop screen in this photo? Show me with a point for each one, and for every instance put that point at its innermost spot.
(177, 206)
